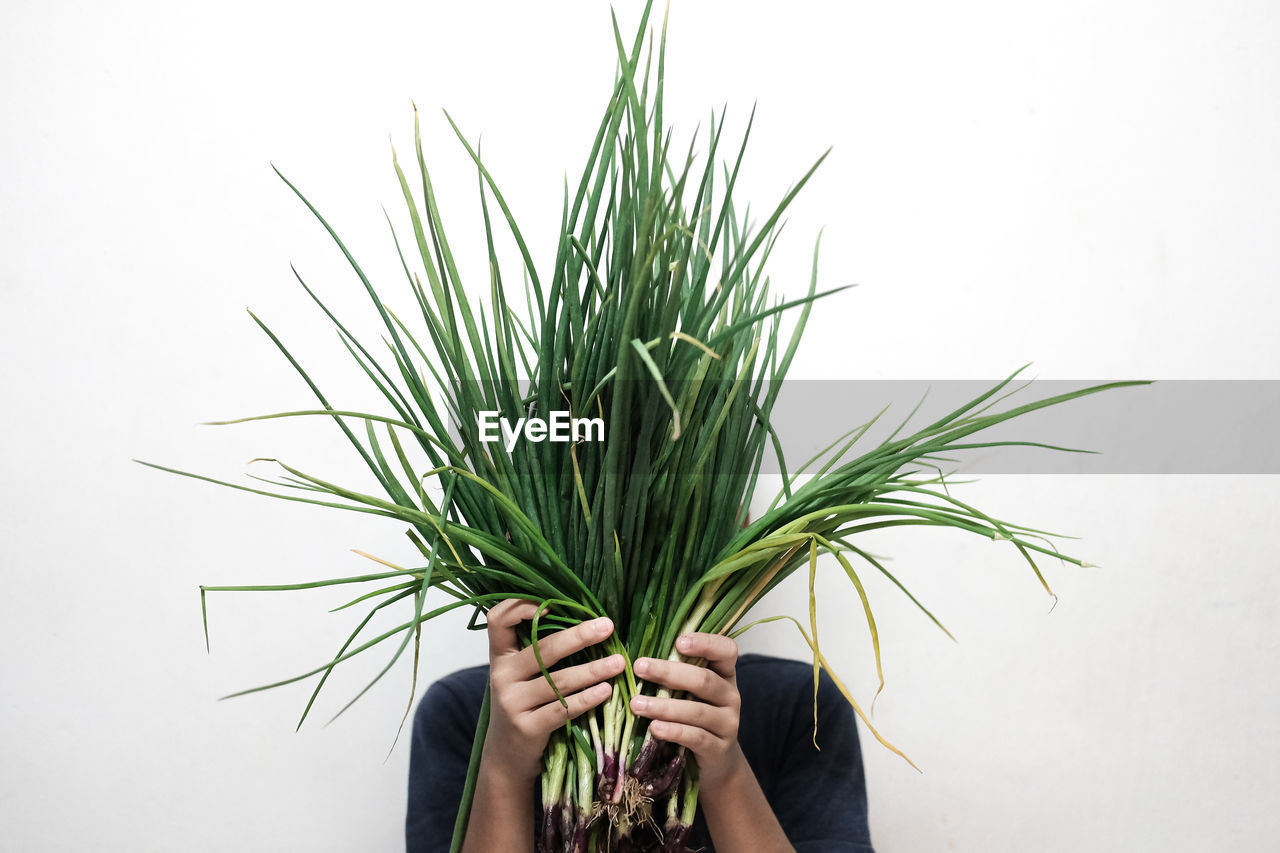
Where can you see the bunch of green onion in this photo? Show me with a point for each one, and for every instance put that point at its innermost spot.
(656, 317)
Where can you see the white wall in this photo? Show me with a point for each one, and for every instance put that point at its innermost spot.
(1091, 186)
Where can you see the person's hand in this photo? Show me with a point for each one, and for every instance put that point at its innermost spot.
(524, 710)
(707, 724)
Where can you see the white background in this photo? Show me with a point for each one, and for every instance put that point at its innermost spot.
(1089, 186)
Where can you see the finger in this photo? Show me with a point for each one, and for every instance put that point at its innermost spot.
(502, 620)
(553, 715)
(571, 679)
(718, 721)
(555, 647)
(721, 652)
(678, 675)
(699, 740)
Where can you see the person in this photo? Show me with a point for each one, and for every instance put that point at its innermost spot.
(749, 723)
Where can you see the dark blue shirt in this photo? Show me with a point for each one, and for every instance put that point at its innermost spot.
(818, 796)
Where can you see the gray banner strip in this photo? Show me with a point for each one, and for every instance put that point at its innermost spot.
(1222, 427)
(1213, 427)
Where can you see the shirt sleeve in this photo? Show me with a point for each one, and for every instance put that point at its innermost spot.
(444, 727)
(821, 795)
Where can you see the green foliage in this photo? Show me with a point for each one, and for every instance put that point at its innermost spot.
(657, 316)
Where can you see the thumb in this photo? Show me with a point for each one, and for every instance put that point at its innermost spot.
(502, 621)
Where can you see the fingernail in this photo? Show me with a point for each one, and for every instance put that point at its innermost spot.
(617, 662)
(639, 703)
(601, 625)
(641, 666)
(685, 643)
(603, 689)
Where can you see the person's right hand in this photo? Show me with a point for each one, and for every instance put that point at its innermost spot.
(524, 710)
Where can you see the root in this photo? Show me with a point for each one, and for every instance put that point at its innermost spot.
(634, 808)
(636, 803)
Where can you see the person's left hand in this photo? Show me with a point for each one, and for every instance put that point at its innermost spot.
(707, 724)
